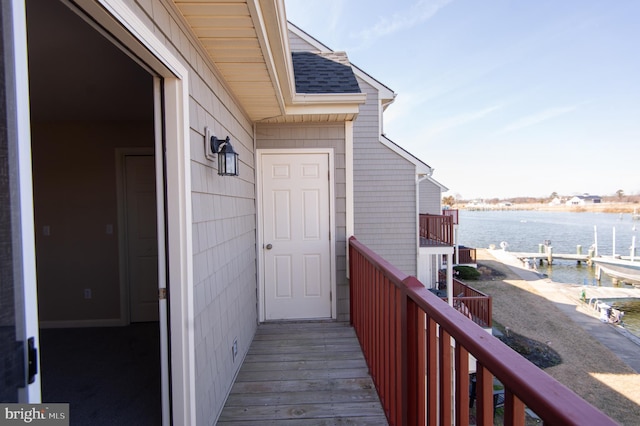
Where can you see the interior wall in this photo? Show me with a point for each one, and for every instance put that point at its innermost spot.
(74, 172)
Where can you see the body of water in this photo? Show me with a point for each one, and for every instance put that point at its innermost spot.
(523, 231)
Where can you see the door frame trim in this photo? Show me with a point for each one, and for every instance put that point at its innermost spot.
(260, 222)
(173, 162)
(19, 121)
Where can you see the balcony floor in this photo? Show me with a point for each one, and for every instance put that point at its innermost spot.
(303, 373)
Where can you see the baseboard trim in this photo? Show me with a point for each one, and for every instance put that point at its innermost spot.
(115, 322)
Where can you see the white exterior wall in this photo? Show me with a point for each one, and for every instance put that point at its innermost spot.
(223, 222)
(384, 191)
(320, 136)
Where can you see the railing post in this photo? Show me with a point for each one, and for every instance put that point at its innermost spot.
(406, 359)
(445, 377)
(513, 409)
(416, 375)
(462, 385)
(484, 392)
(490, 313)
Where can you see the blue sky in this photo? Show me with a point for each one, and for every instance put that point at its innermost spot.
(502, 98)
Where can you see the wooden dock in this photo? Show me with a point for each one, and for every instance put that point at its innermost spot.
(303, 373)
(550, 257)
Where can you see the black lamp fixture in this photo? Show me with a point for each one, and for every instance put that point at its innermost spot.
(227, 157)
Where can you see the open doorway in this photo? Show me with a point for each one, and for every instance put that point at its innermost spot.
(90, 102)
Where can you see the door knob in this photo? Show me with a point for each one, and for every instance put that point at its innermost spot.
(268, 246)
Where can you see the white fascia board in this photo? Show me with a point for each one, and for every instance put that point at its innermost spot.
(271, 29)
(435, 182)
(339, 103)
(322, 109)
(421, 168)
(308, 38)
(436, 250)
(329, 98)
(385, 94)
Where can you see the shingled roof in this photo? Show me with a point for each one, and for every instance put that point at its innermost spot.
(324, 72)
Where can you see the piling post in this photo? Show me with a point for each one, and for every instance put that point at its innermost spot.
(549, 255)
(578, 251)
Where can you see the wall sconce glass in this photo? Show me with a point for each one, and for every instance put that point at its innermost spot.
(227, 157)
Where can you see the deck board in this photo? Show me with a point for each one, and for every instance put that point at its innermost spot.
(303, 373)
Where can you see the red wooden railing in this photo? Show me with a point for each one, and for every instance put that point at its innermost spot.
(417, 348)
(477, 309)
(453, 213)
(460, 289)
(467, 255)
(435, 229)
(470, 302)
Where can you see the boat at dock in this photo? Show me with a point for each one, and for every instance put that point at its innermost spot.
(619, 269)
(623, 261)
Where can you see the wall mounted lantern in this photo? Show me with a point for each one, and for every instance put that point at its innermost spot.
(227, 157)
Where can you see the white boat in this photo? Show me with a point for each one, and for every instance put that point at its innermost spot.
(624, 261)
(620, 269)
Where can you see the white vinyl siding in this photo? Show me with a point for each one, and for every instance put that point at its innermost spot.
(384, 191)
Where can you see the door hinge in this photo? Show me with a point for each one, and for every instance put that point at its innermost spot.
(32, 359)
(162, 293)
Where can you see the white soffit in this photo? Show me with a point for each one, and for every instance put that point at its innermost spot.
(235, 34)
(247, 41)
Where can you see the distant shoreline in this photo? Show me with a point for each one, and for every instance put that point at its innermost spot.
(624, 208)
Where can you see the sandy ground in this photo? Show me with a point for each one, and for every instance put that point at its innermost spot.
(537, 308)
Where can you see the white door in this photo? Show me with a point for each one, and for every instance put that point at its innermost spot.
(142, 240)
(296, 236)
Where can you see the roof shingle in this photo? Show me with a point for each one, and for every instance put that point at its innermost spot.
(324, 72)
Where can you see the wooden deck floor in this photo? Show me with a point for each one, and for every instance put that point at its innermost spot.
(303, 373)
